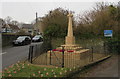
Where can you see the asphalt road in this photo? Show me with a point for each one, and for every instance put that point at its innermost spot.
(107, 68)
(11, 55)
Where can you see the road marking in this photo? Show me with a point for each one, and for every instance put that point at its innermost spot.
(3, 53)
(36, 43)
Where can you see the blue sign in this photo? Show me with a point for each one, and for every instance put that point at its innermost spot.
(108, 33)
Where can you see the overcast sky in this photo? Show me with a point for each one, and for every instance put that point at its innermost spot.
(25, 11)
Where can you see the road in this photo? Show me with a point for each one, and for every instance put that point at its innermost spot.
(11, 55)
(107, 68)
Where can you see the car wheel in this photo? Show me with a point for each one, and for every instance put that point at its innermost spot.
(23, 43)
(13, 44)
(41, 40)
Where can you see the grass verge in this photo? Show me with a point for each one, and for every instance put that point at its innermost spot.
(29, 70)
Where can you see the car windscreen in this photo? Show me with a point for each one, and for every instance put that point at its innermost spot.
(37, 36)
(20, 38)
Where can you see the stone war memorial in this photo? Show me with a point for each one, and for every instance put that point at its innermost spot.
(70, 54)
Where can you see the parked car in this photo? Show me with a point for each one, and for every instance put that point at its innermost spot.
(22, 40)
(37, 38)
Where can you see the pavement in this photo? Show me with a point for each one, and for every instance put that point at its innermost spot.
(13, 54)
(107, 68)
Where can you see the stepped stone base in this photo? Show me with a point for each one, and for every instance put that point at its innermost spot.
(70, 47)
(79, 56)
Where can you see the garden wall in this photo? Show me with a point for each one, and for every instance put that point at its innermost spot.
(7, 39)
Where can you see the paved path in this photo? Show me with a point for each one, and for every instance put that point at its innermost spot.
(107, 68)
(13, 54)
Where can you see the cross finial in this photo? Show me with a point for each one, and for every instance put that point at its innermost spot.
(70, 14)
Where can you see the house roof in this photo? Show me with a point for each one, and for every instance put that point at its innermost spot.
(2, 22)
(27, 26)
(14, 27)
(5, 25)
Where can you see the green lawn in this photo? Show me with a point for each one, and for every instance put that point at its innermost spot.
(29, 70)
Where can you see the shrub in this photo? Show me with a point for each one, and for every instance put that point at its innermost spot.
(113, 45)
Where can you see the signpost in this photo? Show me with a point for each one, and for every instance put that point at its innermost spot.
(108, 33)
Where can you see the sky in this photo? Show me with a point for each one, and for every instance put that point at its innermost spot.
(24, 10)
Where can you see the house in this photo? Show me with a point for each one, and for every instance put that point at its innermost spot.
(38, 27)
(10, 28)
(28, 28)
(14, 28)
(2, 22)
(6, 29)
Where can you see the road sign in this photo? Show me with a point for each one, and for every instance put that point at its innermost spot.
(108, 33)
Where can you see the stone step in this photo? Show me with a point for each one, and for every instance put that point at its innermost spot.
(82, 51)
(71, 48)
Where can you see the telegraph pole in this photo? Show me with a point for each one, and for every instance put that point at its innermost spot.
(36, 23)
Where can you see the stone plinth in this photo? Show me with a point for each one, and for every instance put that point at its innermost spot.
(70, 40)
(71, 59)
(77, 58)
(70, 47)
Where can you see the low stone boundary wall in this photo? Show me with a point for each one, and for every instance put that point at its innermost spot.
(7, 39)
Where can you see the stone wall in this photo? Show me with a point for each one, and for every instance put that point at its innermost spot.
(7, 39)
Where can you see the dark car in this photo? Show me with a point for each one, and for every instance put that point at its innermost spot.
(37, 38)
(22, 40)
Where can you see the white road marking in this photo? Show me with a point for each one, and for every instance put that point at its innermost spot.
(36, 43)
(3, 53)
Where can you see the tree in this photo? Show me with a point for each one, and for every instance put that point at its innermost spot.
(101, 18)
(8, 19)
(56, 18)
(14, 22)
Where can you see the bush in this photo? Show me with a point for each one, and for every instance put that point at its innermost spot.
(87, 36)
(113, 45)
(22, 32)
(52, 30)
(46, 44)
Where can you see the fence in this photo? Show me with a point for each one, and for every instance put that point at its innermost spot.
(73, 58)
(38, 52)
(34, 52)
(66, 57)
